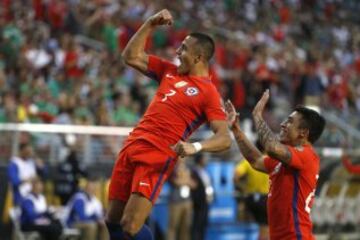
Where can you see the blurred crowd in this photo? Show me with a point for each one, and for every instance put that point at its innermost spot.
(60, 60)
(76, 201)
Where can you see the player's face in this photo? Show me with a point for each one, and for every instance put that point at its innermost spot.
(185, 55)
(290, 132)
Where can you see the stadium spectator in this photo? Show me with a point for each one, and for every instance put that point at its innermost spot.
(69, 172)
(202, 195)
(22, 169)
(35, 215)
(180, 204)
(85, 212)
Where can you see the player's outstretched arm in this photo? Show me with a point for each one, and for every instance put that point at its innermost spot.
(251, 153)
(273, 147)
(218, 142)
(134, 53)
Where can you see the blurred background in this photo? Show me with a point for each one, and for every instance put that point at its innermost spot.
(67, 102)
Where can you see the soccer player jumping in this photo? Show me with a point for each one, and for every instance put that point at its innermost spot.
(292, 164)
(185, 99)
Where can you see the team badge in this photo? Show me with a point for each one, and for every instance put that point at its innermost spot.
(192, 91)
(180, 84)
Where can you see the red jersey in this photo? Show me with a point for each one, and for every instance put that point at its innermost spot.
(292, 190)
(181, 104)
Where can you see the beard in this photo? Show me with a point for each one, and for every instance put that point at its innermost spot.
(182, 69)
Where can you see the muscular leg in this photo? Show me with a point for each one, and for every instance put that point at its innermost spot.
(113, 218)
(135, 213)
(128, 219)
(115, 211)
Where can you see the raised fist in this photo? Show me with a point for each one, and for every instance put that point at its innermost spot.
(161, 18)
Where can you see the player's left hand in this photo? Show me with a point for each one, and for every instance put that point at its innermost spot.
(260, 106)
(232, 115)
(184, 149)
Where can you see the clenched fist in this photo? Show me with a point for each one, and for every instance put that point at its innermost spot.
(161, 18)
(185, 149)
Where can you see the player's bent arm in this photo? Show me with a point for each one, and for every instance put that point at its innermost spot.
(134, 53)
(249, 150)
(272, 146)
(220, 140)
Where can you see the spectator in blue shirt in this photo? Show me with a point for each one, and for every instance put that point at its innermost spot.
(35, 215)
(86, 213)
(22, 169)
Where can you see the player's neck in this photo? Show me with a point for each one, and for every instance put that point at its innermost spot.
(201, 70)
(302, 142)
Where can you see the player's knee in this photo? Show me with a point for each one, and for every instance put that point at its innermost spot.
(130, 225)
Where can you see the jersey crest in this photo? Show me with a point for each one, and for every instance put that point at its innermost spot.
(191, 91)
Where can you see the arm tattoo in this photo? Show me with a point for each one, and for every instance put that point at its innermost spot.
(270, 142)
(266, 136)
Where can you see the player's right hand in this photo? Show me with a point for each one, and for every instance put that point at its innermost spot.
(184, 149)
(161, 18)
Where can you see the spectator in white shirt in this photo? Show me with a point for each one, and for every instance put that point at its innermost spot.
(85, 212)
(22, 169)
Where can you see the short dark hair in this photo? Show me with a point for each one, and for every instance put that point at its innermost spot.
(313, 121)
(205, 43)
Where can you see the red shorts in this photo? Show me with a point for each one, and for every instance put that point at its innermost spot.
(140, 168)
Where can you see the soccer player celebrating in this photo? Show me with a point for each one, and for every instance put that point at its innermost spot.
(185, 99)
(292, 164)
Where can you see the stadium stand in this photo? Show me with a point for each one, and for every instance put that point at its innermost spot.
(60, 64)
